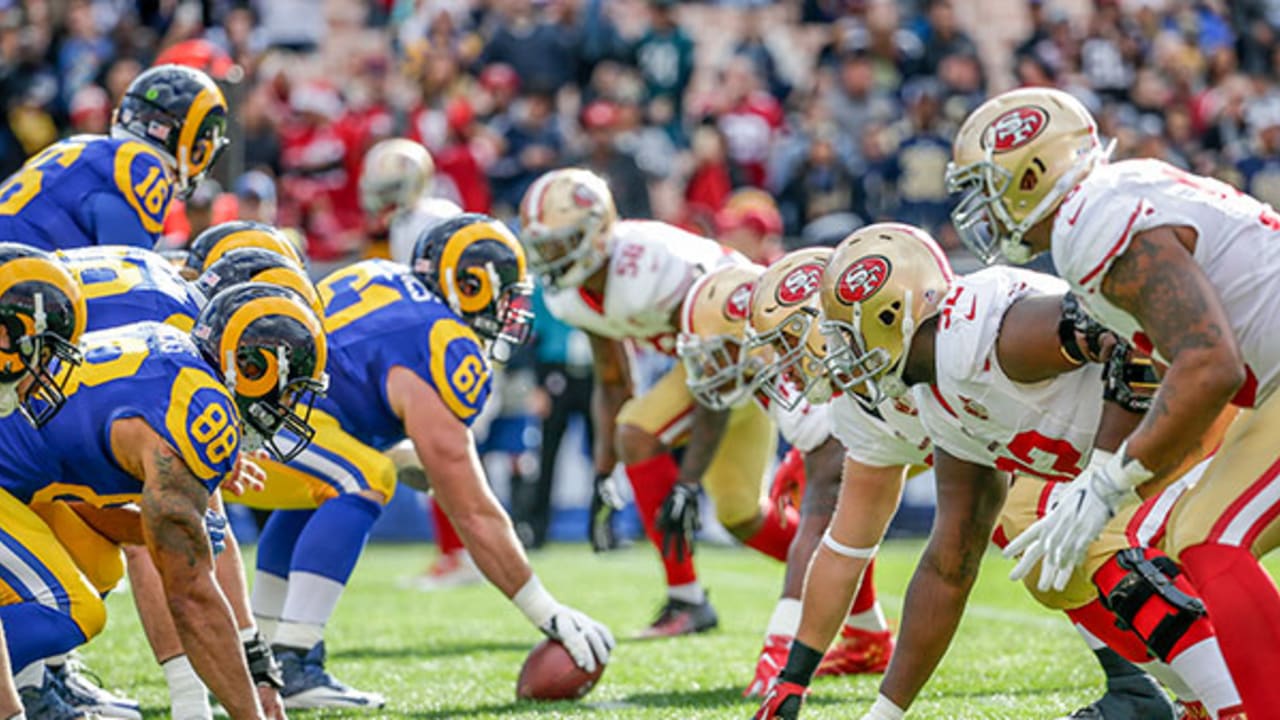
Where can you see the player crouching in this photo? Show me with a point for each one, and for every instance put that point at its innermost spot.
(409, 357)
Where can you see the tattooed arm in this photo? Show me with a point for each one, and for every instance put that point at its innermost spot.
(868, 498)
(173, 506)
(612, 389)
(969, 500)
(1158, 282)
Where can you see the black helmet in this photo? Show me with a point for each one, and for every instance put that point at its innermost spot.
(271, 349)
(179, 111)
(42, 312)
(476, 265)
(222, 238)
(252, 264)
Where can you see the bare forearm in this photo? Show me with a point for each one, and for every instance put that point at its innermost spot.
(492, 542)
(828, 592)
(932, 610)
(229, 569)
(704, 440)
(1115, 425)
(821, 492)
(606, 400)
(209, 636)
(1190, 399)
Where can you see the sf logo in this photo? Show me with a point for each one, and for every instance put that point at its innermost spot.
(1018, 127)
(863, 278)
(800, 283)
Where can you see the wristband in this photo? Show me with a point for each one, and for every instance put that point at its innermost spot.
(843, 550)
(884, 709)
(263, 667)
(802, 663)
(1125, 471)
(535, 602)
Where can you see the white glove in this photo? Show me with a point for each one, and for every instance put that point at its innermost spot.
(1062, 536)
(588, 642)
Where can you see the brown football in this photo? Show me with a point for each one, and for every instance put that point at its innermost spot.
(549, 673)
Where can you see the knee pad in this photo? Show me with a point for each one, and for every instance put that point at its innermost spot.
(1138, 586)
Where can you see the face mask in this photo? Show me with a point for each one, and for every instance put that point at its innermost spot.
(9, 400)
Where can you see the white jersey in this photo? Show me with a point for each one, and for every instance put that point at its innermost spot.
(805, 426)
(651, 266)
(408, 226)
(893, 435)
(976, 413)
(1237, 247)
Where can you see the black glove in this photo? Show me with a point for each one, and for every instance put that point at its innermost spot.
(679, 520)
(1130, 379)
(1075, 321)
(262, 663)
(606, 501)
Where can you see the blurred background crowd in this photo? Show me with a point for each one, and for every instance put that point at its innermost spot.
(840, 111)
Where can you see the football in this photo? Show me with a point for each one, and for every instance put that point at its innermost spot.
(549, 673)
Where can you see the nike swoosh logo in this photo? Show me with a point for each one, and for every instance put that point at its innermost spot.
(1072, 220)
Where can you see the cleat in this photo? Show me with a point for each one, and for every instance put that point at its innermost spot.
(448, 571)
(81, 689)
(1130, 697)
(308, 686)
(678, 617)
(1192, 710)
(44, 703)
(857, 652)
(772, 658)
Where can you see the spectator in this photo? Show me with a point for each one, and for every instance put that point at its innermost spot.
(943, 36)
(855, 101)
(749, 117)
(600, 119)
(533, 144)
(256, 197)
(821, 186)
(90, 111)
(458, 162)
(541, 52)
(664, 55)
(1259, 170)
(753, 47)
(919, 164)
(83, 52)
(712, 180)
(750, 223)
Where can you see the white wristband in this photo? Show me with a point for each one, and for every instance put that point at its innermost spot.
(1125, 471)
(843, 550)
(884, 709)
(535, 602)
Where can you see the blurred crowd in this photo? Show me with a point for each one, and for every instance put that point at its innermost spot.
(840, 109)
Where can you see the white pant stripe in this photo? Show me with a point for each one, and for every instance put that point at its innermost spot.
(28, 577)
(316, 464)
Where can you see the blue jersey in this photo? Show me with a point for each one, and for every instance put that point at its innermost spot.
(124, 285)
(146, 370)
(378, 316)
(87, 190)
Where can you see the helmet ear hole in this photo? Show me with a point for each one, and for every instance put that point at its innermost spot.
(887, 317)
(1029, 181)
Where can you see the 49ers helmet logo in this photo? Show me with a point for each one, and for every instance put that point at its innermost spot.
(583, 197)
(739, 303)
(863, 279)
(1017, 127)
(799, 284)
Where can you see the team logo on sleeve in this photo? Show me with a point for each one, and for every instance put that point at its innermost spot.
(863, 279)
(799, 284)
(739, 302)
(1017, 127)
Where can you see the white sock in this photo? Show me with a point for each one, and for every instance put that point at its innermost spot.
(30, 676)
(188, 698)
(311, 601)
(267, 601)
(785, 619)
(55, 661)
(1202, 667)
(1168, 678)
(298, 635)
(691, 593)
(872, 620)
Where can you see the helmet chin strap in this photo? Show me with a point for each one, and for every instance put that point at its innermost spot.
(229, 371)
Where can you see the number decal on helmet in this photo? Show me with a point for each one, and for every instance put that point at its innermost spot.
(1017, 127)
(863, 279)
(799, 284)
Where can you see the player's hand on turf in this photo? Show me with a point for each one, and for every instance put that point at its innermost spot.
(588, 641)
(216, 525)
(783, 702)
(679, 520)
(606, 501)
(247, 474)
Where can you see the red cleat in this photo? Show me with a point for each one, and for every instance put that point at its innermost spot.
(858, 652)
(772, 658)
(1192, 711)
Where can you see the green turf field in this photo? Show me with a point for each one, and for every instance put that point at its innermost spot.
(455, 654)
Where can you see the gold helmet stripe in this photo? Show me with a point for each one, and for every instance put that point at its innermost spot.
(251, 238)
(254, 309)
(294, 280)
(691, 302)
(204, 103)
(39, 269)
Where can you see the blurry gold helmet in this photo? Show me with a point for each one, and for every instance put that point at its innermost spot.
(784, 318)
(216, 241)
(882, 282)
(1015, 158)
(566, 225)
(395, 173)
(719, 372)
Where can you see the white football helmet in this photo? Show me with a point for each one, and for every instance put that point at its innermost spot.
(395, 174)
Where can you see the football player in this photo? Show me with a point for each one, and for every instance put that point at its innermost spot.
(1184, 267)
(212, 244)
(725, 369)
(168, 130)
(409, 357)
(394, 183)
(995, 394)
(626, 281)
(169, 431)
